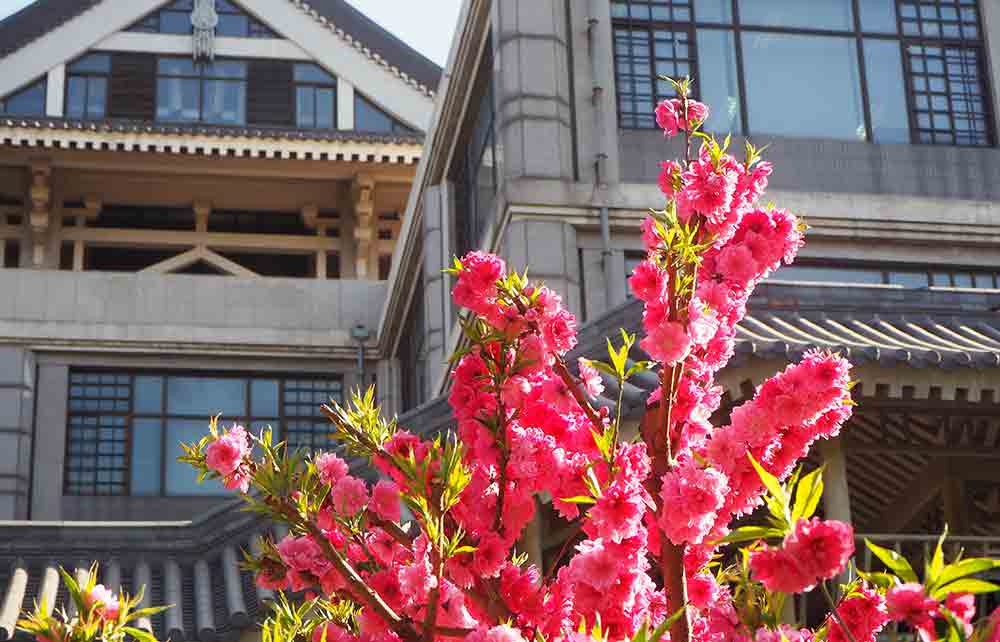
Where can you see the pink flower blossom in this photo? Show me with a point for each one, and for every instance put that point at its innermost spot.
(669, 179)
(385, 501)
(503, 633)
(618, 513)
(648, 282)
(864, 614)
(349, 495)
(668, 343)
(267, 580)
(331, 468)
(814, 551)
(590, 376)
(331, 632)
(670, 116)
(225, 454)
(104, 601)
(490, 555)
(691, 497)
(909, 603)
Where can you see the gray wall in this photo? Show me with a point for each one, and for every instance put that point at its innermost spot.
(17, 398)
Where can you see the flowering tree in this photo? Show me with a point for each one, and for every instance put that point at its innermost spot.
(659, 558)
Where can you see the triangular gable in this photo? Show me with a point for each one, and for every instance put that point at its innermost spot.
(45, 45)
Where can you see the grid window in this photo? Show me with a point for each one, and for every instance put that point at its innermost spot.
(305, 426)
(87, 86)
(125, 428)
(214, 92)
(175, 18)
(642, 55)
(903, 70)
(949, 103)
(906, 276)
(315, 97)
(368, 117)
(29, 101)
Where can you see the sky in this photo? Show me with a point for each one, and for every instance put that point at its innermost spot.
(426, 25)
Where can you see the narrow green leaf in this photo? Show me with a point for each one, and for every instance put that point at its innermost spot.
(807, 495)
(937, 561)
(963, 568)
(967, 585)
(661, 630)
(751, 533)
(139, 634)
(893, 561)
(579, 499)
(770, 481)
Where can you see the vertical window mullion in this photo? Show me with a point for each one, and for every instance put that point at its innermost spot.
(740, 76)
(863, 73)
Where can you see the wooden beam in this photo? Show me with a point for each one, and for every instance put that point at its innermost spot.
(862, 448)
(178, 262)
(230, 267)
(171, 238)
(926, 487)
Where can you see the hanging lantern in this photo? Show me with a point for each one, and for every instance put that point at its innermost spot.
(204, 20)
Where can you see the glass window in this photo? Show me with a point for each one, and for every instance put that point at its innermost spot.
(909, 279)
(315, 97)
(814, 14)
(114, 412)
(29, 101)
(926, 75)
(87, 86)
(783, 95)
(984, 280)
(878, 16)
(886, 91)
(824, 274)
(201, 92)
(368, 117)
(175, 18)
(715, 11)
(962, 280)
(719, 85)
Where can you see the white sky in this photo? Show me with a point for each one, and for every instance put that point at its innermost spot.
(427, 25)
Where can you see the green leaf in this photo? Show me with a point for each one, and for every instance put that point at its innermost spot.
(881, 580)
(139, 634)
(661, 630)
(807, 495)
(937, 561)
(771, 483)
(963, 568)
(893, 561)
(751, 533)
(967, 585)
(579, 499)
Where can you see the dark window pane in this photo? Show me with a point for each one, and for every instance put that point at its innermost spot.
(828, 274)
(225, 69)
(963, 280)
(814, 14)
(176, 67)
(264, 398)
(783, 95)
(206, 396)
(886, 91)
(878, 16)
(984, 279)
(369, 118)
(97, 91)
(178, 99)
(27, 102)
(305, 107)
(325, 101)
(235, 26)
(148, 397)
(224, 102)
(175, 22)
(95, 62)
(909, 279)
(147, 440)
(719, 11)
(719, 86)
(307, 72)
(76, 97)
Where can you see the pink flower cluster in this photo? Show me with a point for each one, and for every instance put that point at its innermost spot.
(102, 601)
(864, 613)
(909, 604)
(228, 455)
(814, 551)
(670, 116)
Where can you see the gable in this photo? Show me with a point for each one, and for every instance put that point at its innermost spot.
(50, 33)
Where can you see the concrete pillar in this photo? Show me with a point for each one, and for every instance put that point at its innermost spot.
(549, 250)
(17, 405)
(55, 90)
(533, 96)
(603, 279)
(345, 105)
(387, 391)
(437, 287)
(836, 495)
(50, 426)
(990, 12)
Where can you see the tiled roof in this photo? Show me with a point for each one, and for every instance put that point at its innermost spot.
(193, 565)
(219, 131)
(382, 47)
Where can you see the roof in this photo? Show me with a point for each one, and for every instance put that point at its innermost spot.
(42, 16)
(194, 565)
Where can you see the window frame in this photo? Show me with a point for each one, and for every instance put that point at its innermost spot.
(256, 29)
(202, 79)
(314, 86)
(87, 75)
(129, 416)
(856, 32)
(42, 83)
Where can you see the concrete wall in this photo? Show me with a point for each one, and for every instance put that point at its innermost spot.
(549, 250)
(17, 399)
(95, 309)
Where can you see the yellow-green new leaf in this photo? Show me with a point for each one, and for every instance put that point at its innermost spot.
(893, 561)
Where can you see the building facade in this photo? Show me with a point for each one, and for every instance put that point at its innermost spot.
(199, 201)
(881, 119)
